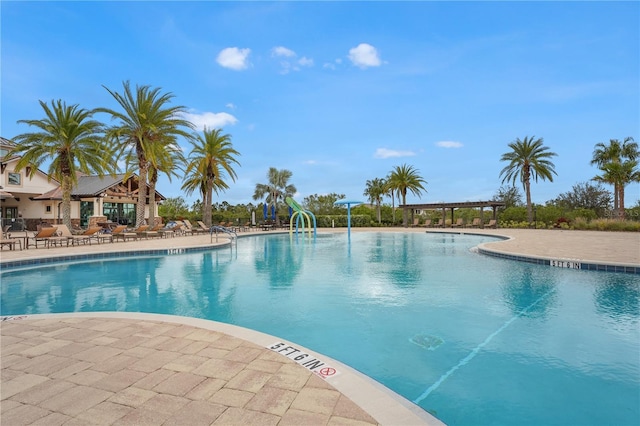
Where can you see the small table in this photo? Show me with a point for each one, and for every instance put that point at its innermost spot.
(23, 235)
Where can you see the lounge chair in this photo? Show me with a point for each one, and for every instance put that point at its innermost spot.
(459, 223)
(43, 235)
(87, 236)
(416, 222)
(475, 224)
(149, 232)
(120, 231)
(9, 242)
(492, 224)
(193, 229)
(426, 224)
(203, 226)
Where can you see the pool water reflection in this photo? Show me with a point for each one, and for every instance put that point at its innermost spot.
(499, 341)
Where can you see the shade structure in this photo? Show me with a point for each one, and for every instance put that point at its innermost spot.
(4, 195)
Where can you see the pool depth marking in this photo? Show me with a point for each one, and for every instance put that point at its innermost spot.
(475, 351)
(306, 360)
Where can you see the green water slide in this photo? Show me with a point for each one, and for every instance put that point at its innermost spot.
(301, 217)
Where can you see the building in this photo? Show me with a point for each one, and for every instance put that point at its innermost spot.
(27, 202)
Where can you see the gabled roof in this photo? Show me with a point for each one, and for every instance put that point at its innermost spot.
(88, 186)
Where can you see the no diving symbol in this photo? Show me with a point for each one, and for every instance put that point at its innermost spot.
(328, 371)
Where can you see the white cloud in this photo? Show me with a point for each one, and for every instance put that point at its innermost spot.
(234, 58)
(230, 106)
(390, 153)
(305, 62)
(210, 120)
(364, 55)
(310, 162)
(329, 65)
(282, 51)
(449, 144)
(290, 63)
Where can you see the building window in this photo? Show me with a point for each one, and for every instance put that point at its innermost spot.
(14, 179)
(47, 208)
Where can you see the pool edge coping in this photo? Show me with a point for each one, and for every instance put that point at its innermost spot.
(383, 404)
(557, 262)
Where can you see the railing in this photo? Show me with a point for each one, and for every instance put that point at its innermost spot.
(217, 228)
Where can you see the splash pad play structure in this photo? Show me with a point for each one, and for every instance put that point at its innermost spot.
(301, 217)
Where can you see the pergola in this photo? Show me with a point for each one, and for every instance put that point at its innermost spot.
(452, 206)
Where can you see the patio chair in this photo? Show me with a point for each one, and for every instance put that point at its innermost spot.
(459, 223)
(416, 222)
(203, 226)
(120, 231)
(492, 224)
(193, 229)
(42, 236)
(475, 224)
(426, 224)
(9, 242)
(149, 233)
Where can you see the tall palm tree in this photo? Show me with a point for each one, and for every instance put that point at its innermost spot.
(71, 140)
(277, 188)
(620, 174)
(147, 119)
(406, 178)
(528, 158)
(211, 158)
(375, 191)
(615, 152)
(168, 161)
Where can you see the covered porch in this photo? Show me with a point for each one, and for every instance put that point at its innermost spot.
(444, 207)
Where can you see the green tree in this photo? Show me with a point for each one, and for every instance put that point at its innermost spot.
(69, 138)
(322, 204)
(277, 188)
(510, 195)
(405, 179)
(375, 190)
(168, 161)
(147, 120)
(528, 158)
(621, 174)
(606, 156)
(585, 195)
(173, 208)
(211, 159)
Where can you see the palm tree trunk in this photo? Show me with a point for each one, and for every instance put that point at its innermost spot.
(405, 220)
(393, 207)
(152, 198)
(66, 201)
(208, 201)
(378, 208)
(621, 213)
(527, 188)
(142, 193)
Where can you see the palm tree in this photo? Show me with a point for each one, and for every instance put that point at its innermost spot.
(528, 158)
(147, 120)
(277, 188)
(168, 161)
(406, 178)
(620, 174)
(211, 157)
(71, 140)
(615, 152)
(375, 190)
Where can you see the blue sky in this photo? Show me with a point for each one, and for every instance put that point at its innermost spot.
(342, 92)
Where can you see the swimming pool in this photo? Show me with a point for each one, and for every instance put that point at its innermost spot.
(470, 338)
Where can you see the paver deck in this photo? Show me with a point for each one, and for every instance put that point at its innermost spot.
(143, 369)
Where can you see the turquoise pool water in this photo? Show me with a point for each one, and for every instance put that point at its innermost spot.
(472, 339)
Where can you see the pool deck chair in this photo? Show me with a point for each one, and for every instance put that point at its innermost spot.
(203, 226)
(9, 242)
(492, 224)
(475, 224)
(426, 224)
(459, 223)
(87, 236)
(150, 233)
(120, 232)
(43, 236)
(193, 229)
